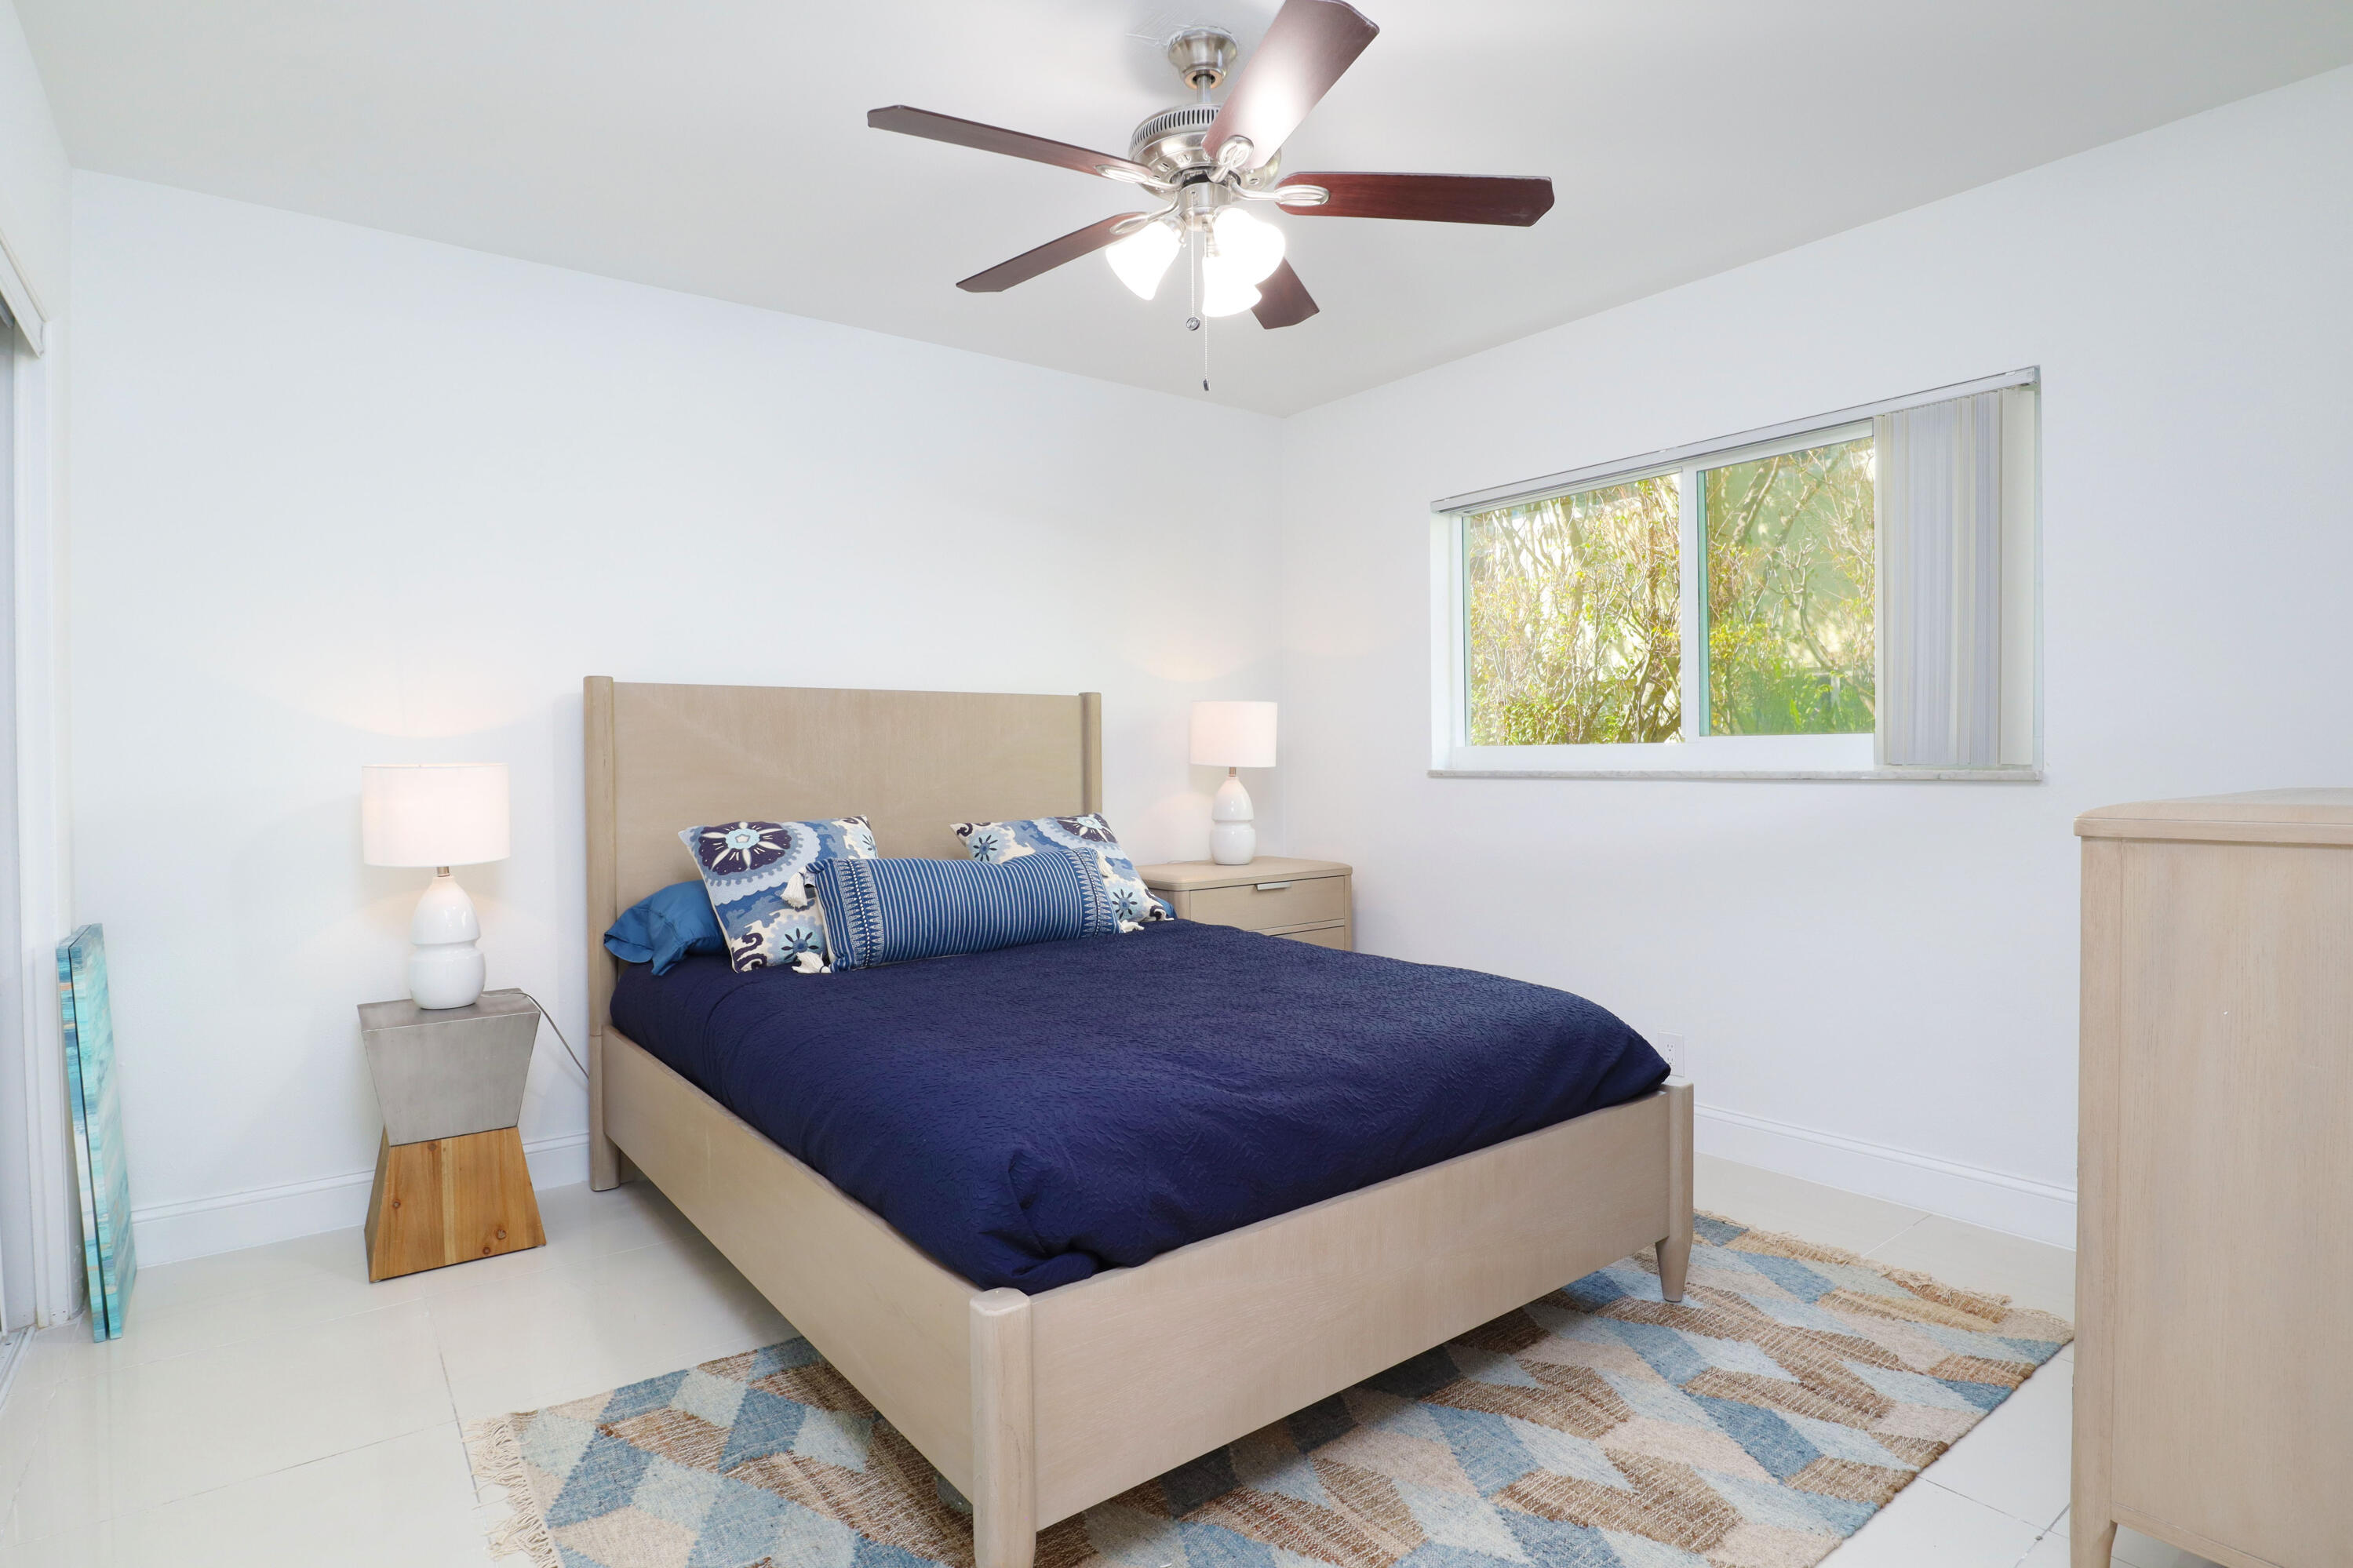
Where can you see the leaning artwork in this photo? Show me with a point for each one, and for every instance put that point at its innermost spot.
(89, 1026)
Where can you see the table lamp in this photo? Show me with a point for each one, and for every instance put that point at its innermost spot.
(1232, 735)
(438, 815)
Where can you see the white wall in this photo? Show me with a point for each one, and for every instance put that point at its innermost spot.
(345, 497)
(1878, 981)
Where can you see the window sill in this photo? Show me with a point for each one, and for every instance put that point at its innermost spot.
(1760, 775)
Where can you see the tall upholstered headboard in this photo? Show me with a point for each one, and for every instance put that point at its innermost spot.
(662, 758)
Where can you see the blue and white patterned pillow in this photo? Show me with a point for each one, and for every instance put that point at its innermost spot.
(888, 912)
(757, 876)
(1090, 836)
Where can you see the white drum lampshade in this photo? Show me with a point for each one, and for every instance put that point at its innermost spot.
(1233, 735)
(438, 815)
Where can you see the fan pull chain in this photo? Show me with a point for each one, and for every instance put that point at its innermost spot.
(1195, 244)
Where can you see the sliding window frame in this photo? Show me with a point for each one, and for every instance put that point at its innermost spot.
(1696, 753)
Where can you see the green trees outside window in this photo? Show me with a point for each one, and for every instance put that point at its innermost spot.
(1571, 619)
(1575, 627)
(1790, 596)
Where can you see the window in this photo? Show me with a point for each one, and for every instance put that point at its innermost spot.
(1726, 609)
(1573, 611)
(1790, 613)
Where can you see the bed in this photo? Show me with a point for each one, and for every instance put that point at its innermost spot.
(1039, 1402)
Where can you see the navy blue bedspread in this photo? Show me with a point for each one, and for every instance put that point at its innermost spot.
(1030, 1116)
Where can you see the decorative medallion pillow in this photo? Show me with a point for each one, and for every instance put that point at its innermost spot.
(888, 912)
(1089, 836)
(757, 876)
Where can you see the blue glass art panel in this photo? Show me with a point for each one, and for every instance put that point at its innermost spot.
(91, 1082)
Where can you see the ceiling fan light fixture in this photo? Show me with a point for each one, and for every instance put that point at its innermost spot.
(1142, 259)
(1223, 294)
(1204, 159)
(1248, 248)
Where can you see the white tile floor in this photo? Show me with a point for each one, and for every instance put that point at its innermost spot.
(272, 1407)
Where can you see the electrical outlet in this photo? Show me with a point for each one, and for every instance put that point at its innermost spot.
(1677, 1050)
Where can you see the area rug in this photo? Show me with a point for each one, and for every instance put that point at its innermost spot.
(1794, 1391)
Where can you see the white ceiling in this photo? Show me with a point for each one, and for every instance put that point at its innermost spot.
(720, 146)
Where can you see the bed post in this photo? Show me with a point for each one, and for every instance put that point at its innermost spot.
(1004, 1433)
(1090, 751)
(603, 896)
(1675, 1246)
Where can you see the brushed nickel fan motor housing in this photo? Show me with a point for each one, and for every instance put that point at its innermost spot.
(1170, 141)
(1169, 144)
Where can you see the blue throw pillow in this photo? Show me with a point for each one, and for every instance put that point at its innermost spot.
(887, 911)
(757, 875)
(662, 928)
(1090, 838)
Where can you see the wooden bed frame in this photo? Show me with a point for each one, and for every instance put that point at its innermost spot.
(1037, 1407)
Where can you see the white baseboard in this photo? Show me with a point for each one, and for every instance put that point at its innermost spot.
(168, 1232)
(2018, 1204)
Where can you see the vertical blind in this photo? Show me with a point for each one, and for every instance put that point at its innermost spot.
(1940, 583)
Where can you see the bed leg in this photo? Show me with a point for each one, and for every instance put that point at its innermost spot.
(1675, 1246)
(1004, 1433)
(604, 1155)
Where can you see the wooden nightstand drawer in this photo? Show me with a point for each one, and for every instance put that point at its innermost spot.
(1261, 907)
(1306, 900)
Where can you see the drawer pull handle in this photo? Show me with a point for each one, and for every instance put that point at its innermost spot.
(1272, 887)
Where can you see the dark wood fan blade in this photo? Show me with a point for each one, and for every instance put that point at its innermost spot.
(1310, 43)
(1283, 300)
(923, 122)
(1431, 198)
(1047, 257)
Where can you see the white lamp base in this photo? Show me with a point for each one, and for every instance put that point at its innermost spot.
(444, 967)
(1233, 839)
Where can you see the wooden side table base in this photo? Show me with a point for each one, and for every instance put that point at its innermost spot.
(449, 1200)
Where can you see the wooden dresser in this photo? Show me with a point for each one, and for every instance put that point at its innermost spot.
(1304, 899)
(2214, 1270)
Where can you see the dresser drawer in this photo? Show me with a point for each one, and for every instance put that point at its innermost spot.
(1278, 904)
(1320, 936)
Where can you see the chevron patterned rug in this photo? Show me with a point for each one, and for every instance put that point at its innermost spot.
(1758, 1425)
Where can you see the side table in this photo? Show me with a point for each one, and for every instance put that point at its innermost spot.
(450, 1181)
(1306, 900)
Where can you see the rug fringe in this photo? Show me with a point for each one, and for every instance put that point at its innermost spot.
(496, 1454)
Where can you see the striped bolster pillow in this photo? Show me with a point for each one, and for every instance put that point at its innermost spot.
(887, 911)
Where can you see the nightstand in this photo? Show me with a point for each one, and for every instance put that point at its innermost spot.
(450, 1181)
(1308, 900)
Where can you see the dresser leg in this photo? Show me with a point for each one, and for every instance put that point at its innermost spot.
(2090, 1545)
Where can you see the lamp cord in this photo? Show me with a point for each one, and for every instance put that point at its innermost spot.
(549, 1018)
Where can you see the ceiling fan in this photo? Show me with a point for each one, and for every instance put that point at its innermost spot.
(1211, 164)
